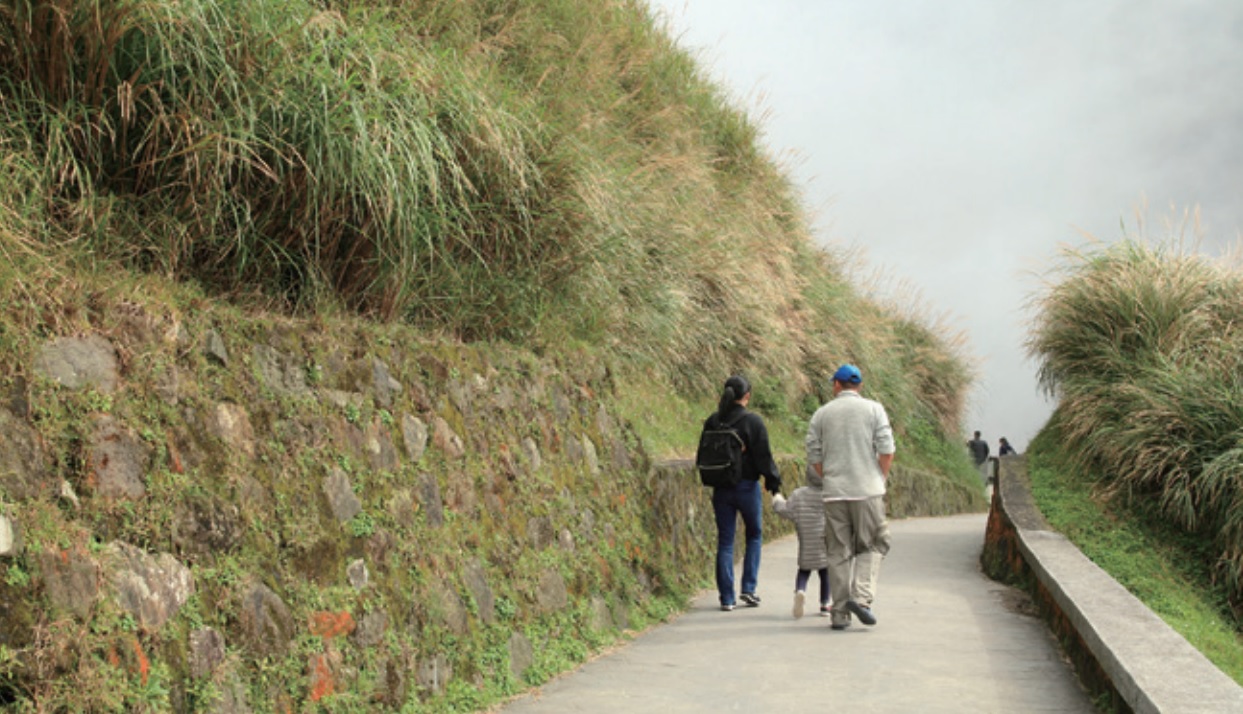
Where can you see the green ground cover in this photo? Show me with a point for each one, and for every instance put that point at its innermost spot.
(1169, 571)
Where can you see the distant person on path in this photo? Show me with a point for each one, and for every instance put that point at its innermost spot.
(806, 509)
(1004, 449)
(850, 446)
(744, 497)
(979, 452)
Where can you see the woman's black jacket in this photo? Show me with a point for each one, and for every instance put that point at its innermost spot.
(759, 453)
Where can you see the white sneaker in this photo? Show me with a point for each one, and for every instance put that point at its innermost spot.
(799, 598)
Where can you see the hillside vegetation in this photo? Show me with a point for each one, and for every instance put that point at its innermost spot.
(390, 313)
(535, 172)
(1143, 346)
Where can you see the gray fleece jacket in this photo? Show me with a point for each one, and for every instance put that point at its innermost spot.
(846, 435)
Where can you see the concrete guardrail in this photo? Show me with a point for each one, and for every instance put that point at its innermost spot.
(1126, 655)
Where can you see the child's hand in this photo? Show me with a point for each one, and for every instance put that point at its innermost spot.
(778, 500)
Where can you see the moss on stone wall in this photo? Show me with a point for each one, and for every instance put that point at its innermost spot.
(366, 519)
(223, 511)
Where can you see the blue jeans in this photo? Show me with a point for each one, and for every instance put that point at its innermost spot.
(728, 502)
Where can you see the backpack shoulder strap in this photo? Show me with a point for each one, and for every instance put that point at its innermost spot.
(733, 423)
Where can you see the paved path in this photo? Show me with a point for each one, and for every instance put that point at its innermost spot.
(948, 640)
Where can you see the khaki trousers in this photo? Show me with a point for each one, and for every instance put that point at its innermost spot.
(857, 536)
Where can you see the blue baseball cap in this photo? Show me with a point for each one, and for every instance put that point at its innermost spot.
(848, 374)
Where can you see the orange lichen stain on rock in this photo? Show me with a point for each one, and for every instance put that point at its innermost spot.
(321, 678)
(331, 624)
(174, 456)
(144, 664)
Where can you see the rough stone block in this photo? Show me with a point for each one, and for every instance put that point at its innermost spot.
(540, 532)
(8, 537)
(230, 423)
(521, 655)
(151, 587)
(280, 372)
(385, 386)
(381, 453)
(214, 348)
(207, 527)
(433, 674)
(116, 459)
(371, 629)
(477, 582)
(414, 436)
(447, 440)
(357, 573)
(71, 580)
(551, 594)
(430, 500)
(601, 616)
(266, 624)
(206, 652)
(79, 363)
(336, 486)
(446, 606)
(23, 466)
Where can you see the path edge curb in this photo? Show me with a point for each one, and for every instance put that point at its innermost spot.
(1125, 654)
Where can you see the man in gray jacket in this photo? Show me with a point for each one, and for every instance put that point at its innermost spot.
(850, 444)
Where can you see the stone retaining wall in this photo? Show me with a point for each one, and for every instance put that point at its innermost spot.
(306, 517)
(1123, 652)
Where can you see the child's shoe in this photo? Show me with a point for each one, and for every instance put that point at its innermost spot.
(800, 597)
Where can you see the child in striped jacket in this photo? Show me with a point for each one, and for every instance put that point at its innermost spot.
(806, 509)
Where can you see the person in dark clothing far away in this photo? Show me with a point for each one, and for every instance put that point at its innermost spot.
(742, 498)
(979, 452)
(1004, 449)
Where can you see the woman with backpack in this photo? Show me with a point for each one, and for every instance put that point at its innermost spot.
(729, 500)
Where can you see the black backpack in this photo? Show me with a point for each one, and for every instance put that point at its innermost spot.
(719, 458)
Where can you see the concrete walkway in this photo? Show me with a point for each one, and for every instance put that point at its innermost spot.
(948, 640)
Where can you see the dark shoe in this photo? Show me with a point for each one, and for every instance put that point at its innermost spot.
(750, 599)
(839, 625)
(863, 613)
(727, 608)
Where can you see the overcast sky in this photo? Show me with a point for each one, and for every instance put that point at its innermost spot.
(961, 143)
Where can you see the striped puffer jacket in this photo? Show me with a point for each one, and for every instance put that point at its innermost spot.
(806, 508)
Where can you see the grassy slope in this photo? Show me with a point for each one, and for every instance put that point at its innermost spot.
(1140, 466)
(1167, 570)
(1143, 345)
(539, 173)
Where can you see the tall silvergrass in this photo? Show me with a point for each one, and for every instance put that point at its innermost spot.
(1144, 348)
(538, 172)
(293, 148)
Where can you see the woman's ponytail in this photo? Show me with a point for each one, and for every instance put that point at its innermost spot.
(736, 387)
